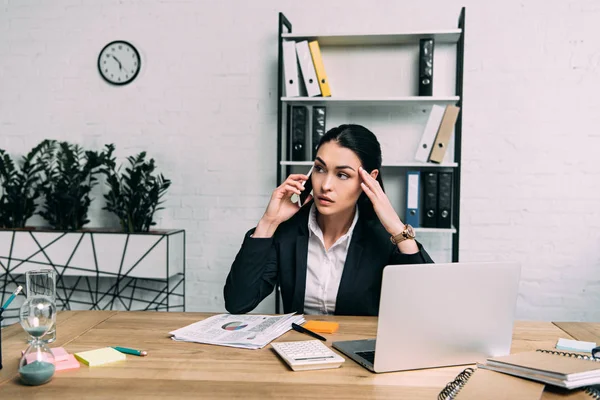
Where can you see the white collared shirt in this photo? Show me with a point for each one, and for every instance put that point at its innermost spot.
(324, 267)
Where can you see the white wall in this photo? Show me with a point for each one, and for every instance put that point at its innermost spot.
(204, 106)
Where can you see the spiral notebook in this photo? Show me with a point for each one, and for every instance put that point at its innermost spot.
(568, 370)
(554, 393)
(477, 384)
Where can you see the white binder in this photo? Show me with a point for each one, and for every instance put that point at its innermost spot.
(308, 69)
(431, 129)
(290, 69)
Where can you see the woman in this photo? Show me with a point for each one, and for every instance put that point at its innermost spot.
(328, 255)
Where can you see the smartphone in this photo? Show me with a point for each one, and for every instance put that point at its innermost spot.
(307, 188)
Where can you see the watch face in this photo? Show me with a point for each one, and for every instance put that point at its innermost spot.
(119, 62)
(410, 230)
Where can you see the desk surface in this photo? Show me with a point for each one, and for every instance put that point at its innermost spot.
(178, 369)
(584, 331)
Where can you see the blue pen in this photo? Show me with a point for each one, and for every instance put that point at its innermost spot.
(11, 298)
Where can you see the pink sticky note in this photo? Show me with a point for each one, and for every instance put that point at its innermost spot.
(70, 363)
(59, 353)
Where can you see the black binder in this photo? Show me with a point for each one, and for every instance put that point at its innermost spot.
(426, 67)
(299, 126)
(444, 214)
(318, 128)
(430, 198)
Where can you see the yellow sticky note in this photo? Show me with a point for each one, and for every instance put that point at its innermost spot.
(101, 356)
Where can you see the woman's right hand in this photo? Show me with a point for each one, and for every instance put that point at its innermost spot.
(281, 208)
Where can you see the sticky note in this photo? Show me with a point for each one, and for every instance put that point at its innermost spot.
(575, 345)
(322, 326)
(59, 354)
(69, 363)
(101, 356)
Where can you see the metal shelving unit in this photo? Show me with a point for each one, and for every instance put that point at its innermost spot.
(284, 104)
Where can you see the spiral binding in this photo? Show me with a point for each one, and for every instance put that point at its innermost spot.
(573, 355)
(594, 392)
(454, 387)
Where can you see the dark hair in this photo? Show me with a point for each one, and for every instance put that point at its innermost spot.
(366, 147)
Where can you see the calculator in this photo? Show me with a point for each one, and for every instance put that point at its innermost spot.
(307, 355)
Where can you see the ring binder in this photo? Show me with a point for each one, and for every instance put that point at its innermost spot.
(454, 387)
(318, 128)
(426, 67)
(299, 123)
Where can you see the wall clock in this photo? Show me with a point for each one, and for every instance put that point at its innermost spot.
(119, 62)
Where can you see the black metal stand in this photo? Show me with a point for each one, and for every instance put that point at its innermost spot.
(97, 289)
(1, 318)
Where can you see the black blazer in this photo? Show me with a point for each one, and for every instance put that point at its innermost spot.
(262, 262)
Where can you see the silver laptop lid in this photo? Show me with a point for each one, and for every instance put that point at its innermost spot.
(434, 315)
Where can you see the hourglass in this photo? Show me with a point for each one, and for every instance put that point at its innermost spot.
(38, 315)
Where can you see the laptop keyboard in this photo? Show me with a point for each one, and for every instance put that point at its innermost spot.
(367, 355)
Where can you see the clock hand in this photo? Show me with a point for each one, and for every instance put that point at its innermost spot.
(117, 60)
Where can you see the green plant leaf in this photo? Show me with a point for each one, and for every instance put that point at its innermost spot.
(134, 193)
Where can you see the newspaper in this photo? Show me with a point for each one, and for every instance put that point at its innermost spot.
(243, 331)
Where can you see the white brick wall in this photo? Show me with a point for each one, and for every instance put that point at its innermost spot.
(204, 107)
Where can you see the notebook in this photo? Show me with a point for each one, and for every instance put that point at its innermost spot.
(101, 356)
(477, 384)
(568, 370)
(575, 345)
(554, 393)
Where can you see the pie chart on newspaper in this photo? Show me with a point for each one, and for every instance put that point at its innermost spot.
(234, 326)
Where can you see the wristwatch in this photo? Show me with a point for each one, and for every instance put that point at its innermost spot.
(407, 233)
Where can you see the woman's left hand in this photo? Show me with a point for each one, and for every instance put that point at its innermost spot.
(381, 204)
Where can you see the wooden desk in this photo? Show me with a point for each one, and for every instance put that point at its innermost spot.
(189, 370)
(584, 331)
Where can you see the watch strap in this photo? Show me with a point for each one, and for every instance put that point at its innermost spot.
(402, 236)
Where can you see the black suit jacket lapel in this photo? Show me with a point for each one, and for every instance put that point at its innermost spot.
(346, 290)
(301, 261)
(300, 289)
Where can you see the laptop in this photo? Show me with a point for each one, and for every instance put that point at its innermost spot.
(438, 315)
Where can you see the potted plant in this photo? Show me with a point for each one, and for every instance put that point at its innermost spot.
(21, 185)
(134, 195)
(97, 268)
(70, 174)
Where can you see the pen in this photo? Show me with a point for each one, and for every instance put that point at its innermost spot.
(302, 329)
(125, 350)
(10, 299)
